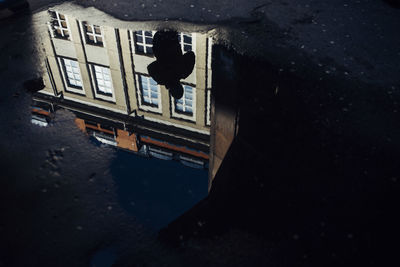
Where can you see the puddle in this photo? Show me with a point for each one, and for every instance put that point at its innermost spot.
(149, 100)
(103, 258)
(225, 140)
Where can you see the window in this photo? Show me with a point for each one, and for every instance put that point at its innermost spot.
(144, 42)
(148, 93)
(185, 104)
(185, 39)
(102, 77)
(185, 108)
(72, 73)
(93, 34)
(59, 25)
(149, 90)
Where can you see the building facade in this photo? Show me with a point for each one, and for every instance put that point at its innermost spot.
(100, 73)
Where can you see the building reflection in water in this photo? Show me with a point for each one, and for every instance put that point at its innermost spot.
(100, 73)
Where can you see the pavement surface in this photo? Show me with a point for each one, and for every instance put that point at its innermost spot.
(336, 66)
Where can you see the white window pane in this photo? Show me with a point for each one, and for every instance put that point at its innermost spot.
(106, 71)
(149, 90)
(153, 82)
(103, 79)
(78, 83)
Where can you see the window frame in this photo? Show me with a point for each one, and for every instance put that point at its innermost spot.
(135, 43)
(97, 93)
(182, 42)
(86, 34)
(139, 92)
(182, 114)
(53, 28)
(68, 86)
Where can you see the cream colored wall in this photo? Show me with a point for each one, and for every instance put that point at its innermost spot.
(84, 54)
(97, 54)
(128, 67)
(141, 62)
(201, 59)
(48, 87)
(115, 66)
(64, 48)
(197, 78)
(132, 63)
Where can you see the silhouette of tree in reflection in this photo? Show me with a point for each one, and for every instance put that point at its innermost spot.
(171, 65)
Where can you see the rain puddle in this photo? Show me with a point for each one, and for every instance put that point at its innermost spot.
(240, 142)
(145, 92)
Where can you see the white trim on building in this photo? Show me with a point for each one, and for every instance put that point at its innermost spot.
(91, 104)
(207, 132)
(208, 107)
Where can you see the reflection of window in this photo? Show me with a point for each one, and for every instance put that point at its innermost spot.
(185, 104)
(144, 42)
(59, 25)
(93, 34)
(102, 77)
(185, 39)
(149, 90)
(72, 73)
